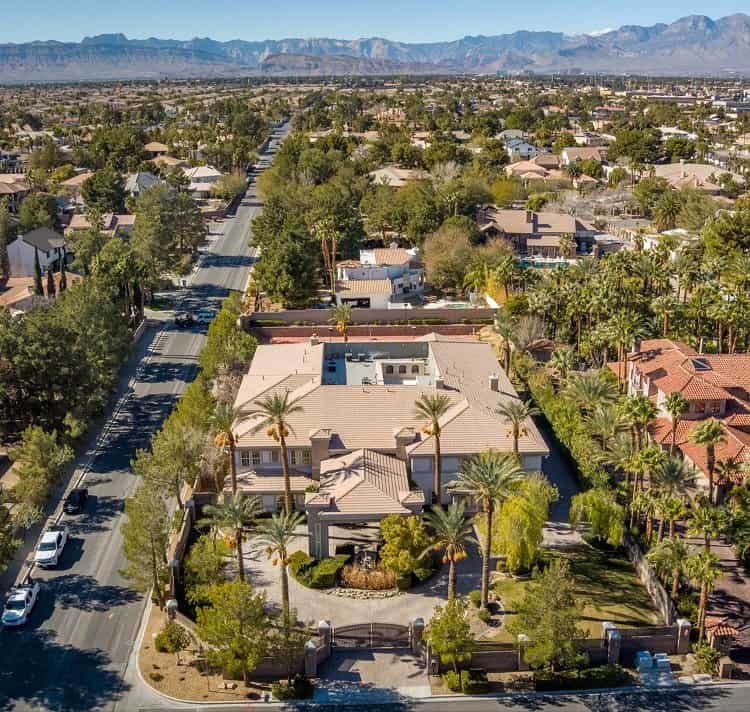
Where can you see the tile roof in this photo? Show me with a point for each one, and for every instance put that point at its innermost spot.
(392, 256)
(254, 483)
(363, 287)
(44, 239)
(364, 482)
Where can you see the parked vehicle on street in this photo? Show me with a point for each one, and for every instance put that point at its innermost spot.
(184, 319)
(51, 546)
(75, 500)
(19, 604)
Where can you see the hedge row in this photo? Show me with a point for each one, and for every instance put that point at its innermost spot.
(313, 573)
(585, 679)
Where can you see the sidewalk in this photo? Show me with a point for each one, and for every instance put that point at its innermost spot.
(85, 452)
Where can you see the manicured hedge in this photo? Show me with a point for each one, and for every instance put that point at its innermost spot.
(316, 574)
(586, 679)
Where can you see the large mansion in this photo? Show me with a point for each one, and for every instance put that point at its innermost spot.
(357, 449)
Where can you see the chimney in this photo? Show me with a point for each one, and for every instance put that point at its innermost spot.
(319, 440)
(494, 382)
(404, 437)
(439, 382)
(529, 216)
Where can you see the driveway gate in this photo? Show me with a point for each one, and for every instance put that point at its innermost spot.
(371, 635)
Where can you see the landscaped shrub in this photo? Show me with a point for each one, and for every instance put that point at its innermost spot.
(452, 681)
(156, 676)
(172, 639)
(585, 679)
(707, 659)
(403, 583)
(299, 562)
(372, 580)
(300, 689)
(484, 615)
(476, 598)
(325, 573)
(687, 606)
(474, 681)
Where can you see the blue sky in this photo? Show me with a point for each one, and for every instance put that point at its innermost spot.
(406, 20)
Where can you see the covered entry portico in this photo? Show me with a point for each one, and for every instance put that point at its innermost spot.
(361, 487)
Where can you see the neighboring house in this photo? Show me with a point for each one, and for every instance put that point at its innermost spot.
(587, 138)
(170, 162)
(395, 176)
(72, 187)
(682, 238)
(119, 225)
(137, 183)
(202, 180)
(379, 277)
(21, 252)
(715, 386)
(582, 153)
(156, 149)
(694, 175)
(14, 187)
(520, 150)
(18, 296)
(535, 234)
(356, 435)
(10, 162)
(535, 169)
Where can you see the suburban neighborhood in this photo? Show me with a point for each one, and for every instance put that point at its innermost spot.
(397, 389)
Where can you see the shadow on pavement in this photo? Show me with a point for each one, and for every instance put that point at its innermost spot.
(86, 594)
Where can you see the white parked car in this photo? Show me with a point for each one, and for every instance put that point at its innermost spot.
(51, 546)
(19, 603)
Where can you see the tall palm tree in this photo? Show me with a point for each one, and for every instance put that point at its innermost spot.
(671, 509)
(235, 512)
(275, 535)
(625, 327)
(709, 433)
(505, 328)
(664, 308)
(640, 412)
(562, 362)
(703, 569)
(341, 316)
(590, 389)
(432, 408)
(605, 422)
(676, 405)
(666, 210)
(515, 413)
(490, 478)
(452, 531)
(675, 476)
(668, 558)
(647, 504)
(273, 412)
(707, 521)
(222, 420)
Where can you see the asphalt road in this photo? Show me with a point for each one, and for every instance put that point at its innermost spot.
(72, 653)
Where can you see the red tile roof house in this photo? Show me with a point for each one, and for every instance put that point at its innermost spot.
(715, 386)
(357, 451)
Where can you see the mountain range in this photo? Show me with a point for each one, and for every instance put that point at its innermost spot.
(693, 45)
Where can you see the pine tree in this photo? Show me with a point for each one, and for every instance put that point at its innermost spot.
(38, 288)
(50, 284)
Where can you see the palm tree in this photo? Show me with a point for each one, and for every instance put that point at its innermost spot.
(605, 423)
(709, 433)
(235, 512)
(706, 520)
(562, 362)
(274, 412)
(432, 408)
(703, 568)
(666, 210)
(671, 509)
(640, 411)
(274, 536)
(505, 328)
(490, 478)
(568, 246)
(590, 389)
(341, 315)
(625, 327)
(676, 405)
(675, 476)
(515, 413)
(452, 531)
(668, 558)
(664, 307)
(222, 420)
(647, 504)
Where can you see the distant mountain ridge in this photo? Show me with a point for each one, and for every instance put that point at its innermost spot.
(693, 45)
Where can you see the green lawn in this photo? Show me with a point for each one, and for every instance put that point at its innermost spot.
(606, 585)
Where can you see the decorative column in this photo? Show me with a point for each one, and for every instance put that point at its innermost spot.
(416, 629)
(683, 636)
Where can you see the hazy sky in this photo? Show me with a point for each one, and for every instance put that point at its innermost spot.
(406, 20)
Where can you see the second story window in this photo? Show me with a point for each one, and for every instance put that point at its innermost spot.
(275, 456)
(245, 458)
(306, 457)
(255, 455)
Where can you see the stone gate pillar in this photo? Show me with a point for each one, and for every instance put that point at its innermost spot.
(523, 640)
(683, 636)
(416, 629)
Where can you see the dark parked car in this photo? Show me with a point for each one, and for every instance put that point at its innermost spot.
(184, 319)
(75, 500)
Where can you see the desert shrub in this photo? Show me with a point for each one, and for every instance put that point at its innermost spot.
(476, 597)
(452, 681)
(156, 676)
(707, 659)
(474, 681)
(372, 580)
(300, 689)
(172, 639)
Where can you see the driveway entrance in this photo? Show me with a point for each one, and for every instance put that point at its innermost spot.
(371, 635)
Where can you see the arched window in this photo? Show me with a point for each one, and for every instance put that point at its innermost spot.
(389, 369)
(415, 368)
(402, 369)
